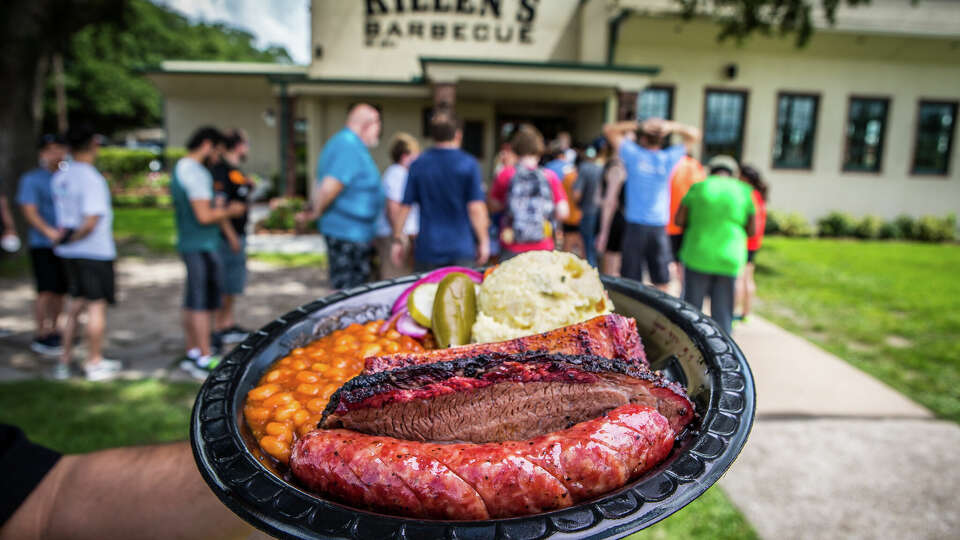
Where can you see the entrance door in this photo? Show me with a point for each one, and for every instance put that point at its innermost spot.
(549, 126)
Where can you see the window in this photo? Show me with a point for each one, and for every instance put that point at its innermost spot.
(866, 124)
(655, 102)
(934, 140)
(796, 127)
(724, 113)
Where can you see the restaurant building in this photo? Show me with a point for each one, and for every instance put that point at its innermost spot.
(862, 119)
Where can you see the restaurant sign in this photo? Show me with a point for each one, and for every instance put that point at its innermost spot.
(390, 22)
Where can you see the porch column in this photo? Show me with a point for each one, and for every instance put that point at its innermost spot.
(288, 155)
(444, 95)
(626, 105)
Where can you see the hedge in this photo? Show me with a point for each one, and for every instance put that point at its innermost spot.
(842, 225)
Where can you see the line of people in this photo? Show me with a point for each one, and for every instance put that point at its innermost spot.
(622, 193)
(67, 204)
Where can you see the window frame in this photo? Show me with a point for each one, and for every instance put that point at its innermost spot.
(776, 125)
(743, 119)
(883, 134)
(671, 90)
(916, 137)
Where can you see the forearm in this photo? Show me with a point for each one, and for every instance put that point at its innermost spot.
(207, 215)
(326, 192)
(606, 216)
(146, 492)
(398, 219)
(5, 216)
(619, 128)
(480, 221)
(33, 217)
(689, 134)
(84, 230)
(228, 231)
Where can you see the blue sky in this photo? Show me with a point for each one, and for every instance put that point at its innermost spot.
(283, 22)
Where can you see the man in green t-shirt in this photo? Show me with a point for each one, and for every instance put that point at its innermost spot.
(717, 215)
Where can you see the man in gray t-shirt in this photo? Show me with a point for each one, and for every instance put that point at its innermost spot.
(81, 200)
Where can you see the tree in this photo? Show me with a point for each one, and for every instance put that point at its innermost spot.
(105, 45)
(30, 31)
(739, 19)
(104, 63)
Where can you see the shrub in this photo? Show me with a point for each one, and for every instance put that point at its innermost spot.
(172, 154)
(868, 227)
(889, 231)
(836, 225)
(119, 162)
(282, 215)
(935, 229)
(149, 200)
(905, 226)
(796, 225)
(774, 222)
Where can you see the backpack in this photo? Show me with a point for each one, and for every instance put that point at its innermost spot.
(529, 206)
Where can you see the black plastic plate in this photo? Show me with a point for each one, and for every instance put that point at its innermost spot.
(679, 340)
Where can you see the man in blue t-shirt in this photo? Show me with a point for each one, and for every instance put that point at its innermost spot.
(446, 183)
(647, 209)
(35, 197)
(349, 198)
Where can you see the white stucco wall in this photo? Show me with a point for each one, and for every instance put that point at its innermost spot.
(836, 66)
(223, 101)
(338, 27)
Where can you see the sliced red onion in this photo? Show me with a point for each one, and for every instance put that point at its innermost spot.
(434, 277)
(385, 327)
(409, 327)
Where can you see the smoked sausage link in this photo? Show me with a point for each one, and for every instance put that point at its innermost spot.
(482, 481)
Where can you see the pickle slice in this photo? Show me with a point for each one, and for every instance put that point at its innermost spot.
(454, 310)
(420, 303)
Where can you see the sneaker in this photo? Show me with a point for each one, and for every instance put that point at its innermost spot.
(49, 346)
(201, 367)
(61, 372)
(209, 362)
(234, 334)
(102, 370)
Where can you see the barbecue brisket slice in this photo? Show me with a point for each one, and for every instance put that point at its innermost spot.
(609, 336)
(499, 397)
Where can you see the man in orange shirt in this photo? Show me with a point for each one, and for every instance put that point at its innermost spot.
(687, 172)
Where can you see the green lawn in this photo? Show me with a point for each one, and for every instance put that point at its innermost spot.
(888, 308)
(82, 417)
(292, 260)
(152, 228)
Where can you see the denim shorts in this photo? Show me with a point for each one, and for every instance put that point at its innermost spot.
(234, 267)
(204, 284)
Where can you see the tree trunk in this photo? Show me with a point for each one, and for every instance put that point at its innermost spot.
(59, 84)
(24, 45)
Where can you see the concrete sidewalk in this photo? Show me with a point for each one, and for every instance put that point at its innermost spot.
(836, 454)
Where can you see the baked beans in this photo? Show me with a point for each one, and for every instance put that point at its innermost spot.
(290, 397)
